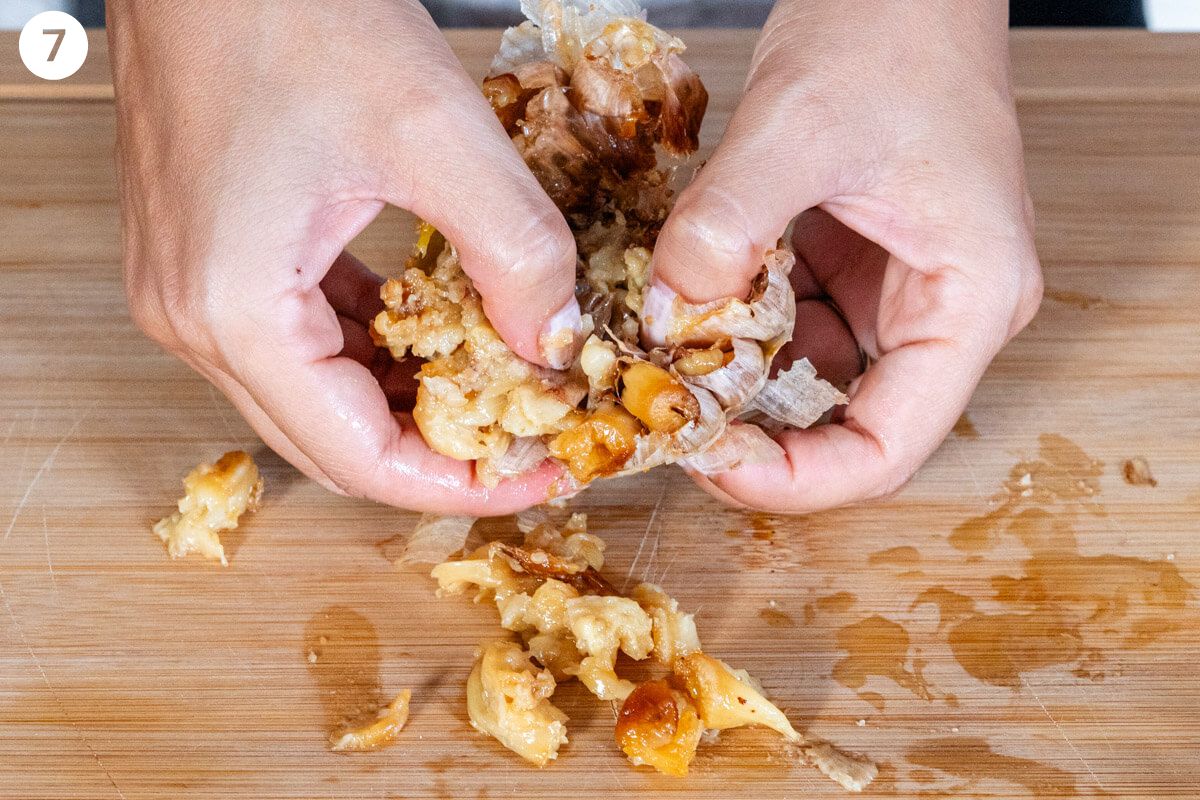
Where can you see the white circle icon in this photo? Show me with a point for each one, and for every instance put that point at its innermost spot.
(53, 45)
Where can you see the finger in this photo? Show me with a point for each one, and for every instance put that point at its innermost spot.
(901, 409)
(833, 260)
(357, 343)
(353, 289)
(250, 411)
(875, 450)
(396, 378)
(462, 174)
(267, 430)
(823, 337)
(764, 172)
(705, 483)
(333, 411)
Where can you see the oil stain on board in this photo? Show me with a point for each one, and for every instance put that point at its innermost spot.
(341, 648)
(1056, 607)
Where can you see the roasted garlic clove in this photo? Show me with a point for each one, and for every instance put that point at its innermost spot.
(696, 362)
(503, 92)
(602, 626)
(215, 497)
(598, 360)
(508, 699)
(674, 631)
(726, 698)
(600, 444)
(380, 733)
(655, 397)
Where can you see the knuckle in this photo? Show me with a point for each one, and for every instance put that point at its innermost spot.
(1032, 292)
(146, 313)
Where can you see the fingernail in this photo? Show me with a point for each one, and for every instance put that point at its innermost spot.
(562, 335)
(658, 306)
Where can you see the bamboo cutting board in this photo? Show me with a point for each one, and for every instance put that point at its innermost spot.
(1020, 621)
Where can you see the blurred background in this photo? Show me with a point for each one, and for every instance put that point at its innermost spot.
(1160, 15)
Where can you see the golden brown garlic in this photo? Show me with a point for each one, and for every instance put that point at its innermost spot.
(600, 444)
(658, 726)
(215, 497)
(576, 631)
(655, 397)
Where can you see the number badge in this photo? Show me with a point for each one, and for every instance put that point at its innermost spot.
(53, 45)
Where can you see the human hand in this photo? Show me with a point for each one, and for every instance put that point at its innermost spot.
(254, 142)
(891, 126)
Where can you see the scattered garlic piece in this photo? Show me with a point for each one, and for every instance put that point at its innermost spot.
(215, 496)
(380, 733)
(508, 699)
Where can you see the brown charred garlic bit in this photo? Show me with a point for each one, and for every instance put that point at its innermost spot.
(215, 497)
(655, 397)
(658, 726)
(600, 444)
(693, 363)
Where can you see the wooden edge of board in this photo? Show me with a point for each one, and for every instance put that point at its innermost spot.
(1049, 65)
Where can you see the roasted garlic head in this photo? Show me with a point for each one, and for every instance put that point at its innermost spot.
(602, 108)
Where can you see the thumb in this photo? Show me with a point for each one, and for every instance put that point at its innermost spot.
(469, 182)
(764, 172)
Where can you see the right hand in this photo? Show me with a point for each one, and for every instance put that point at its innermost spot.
(889, 127)
(254, 142)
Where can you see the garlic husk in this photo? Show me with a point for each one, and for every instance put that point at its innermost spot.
(559, 30)
(853, 773)
(796, 397)
(740, 444)
(435, 538)
(768, 314)
(520, 44)
(531, 518)
(524, 454)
